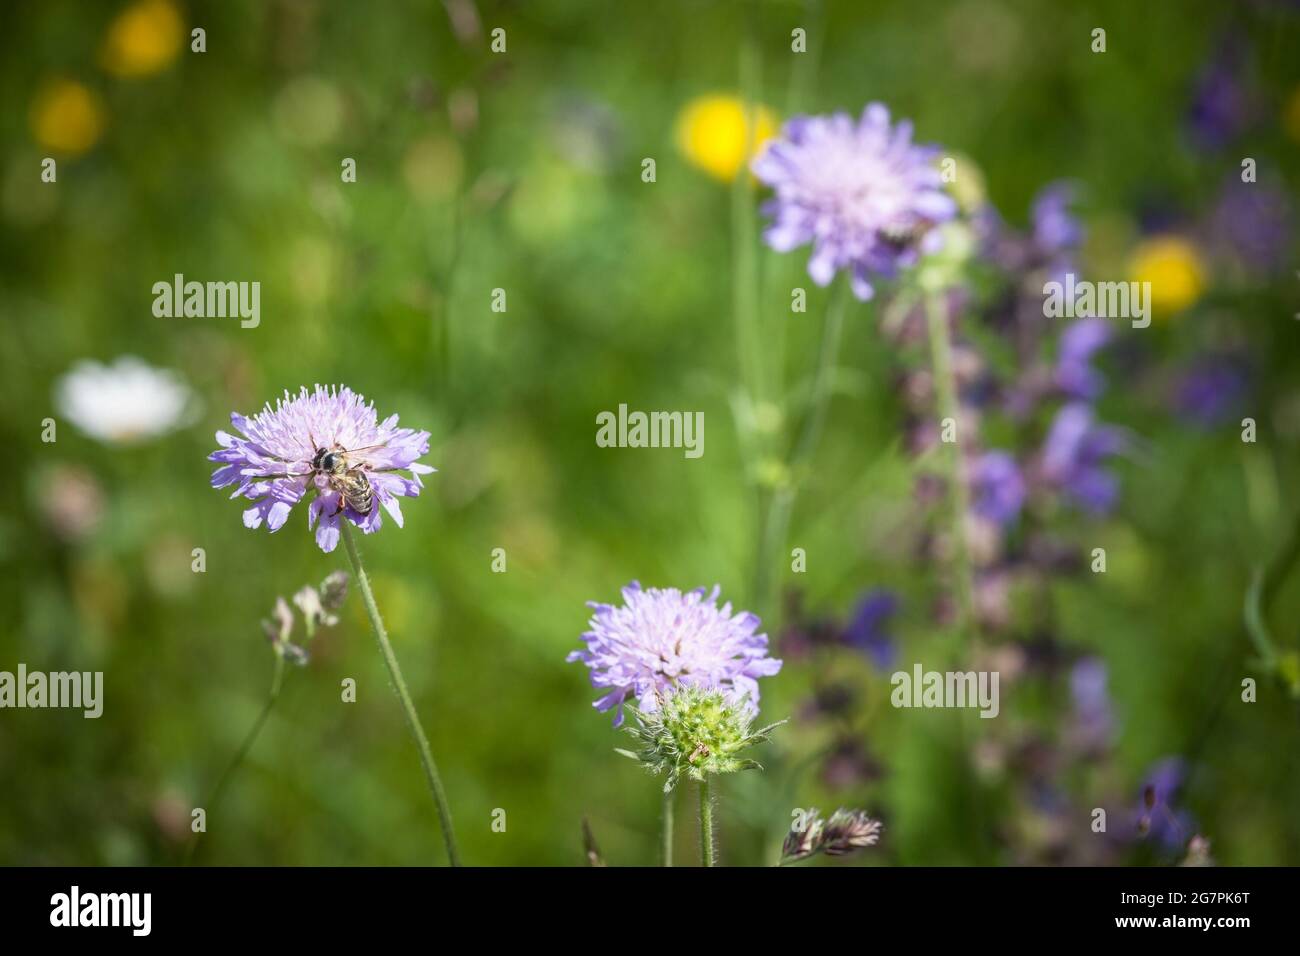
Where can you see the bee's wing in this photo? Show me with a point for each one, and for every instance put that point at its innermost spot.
(348, 454)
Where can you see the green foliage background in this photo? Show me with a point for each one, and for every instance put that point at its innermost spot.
(618, 291)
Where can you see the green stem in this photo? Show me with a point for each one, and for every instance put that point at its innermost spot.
(827, 358)
(1256, 626)
(804, 68)
(277, 679)
(403, 695)
(668, 828)
(1264, 586)
(781, 506)
(706, 822)
(1281, 564)
(744, 224)
(945, 385)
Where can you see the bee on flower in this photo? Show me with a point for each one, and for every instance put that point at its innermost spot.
(328, 444)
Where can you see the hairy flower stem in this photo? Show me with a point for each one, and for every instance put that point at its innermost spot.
(277, 679)
(403, 695)
(668, 828)
(706, 822)
(945, 385)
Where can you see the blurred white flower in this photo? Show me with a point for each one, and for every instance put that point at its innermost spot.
(128, 401)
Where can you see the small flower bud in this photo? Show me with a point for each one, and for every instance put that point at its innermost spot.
(314, 614)
(279, 628)
(1198, 852)
(334, 590)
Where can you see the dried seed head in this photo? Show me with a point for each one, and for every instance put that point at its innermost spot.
(849, 830)
(845, 832)
(805, 836)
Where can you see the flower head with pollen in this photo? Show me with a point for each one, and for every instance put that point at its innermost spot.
(659, 639)
(330, 442)
(861, 193)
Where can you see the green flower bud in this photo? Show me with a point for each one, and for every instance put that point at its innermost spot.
(694, 732)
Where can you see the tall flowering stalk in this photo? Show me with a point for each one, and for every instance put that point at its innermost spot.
(945, 384)
(330, 445)
(866, 199)
(692, 668)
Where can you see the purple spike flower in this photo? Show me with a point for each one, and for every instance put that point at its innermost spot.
(1074, 454)
(661, 638)
(1075, 375)
(271, 460)
(860, 192)
(1212, 389)
(1223, 105)
(1056, 229)
(997, 487)
(869, 629)
(1251, 225)
(1092, 717)
(1156, 815)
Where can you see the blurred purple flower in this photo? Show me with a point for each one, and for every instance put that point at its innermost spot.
(997, 487)
(1055, 230)
(1213, 388)
(271, 460)
(1074, 373)
(658, 639)
(1156, 816)
(1251, 225)
(1074, 453)
(850, 764)
(860, 192)
(868, 631)
(1093, 721)
(1221, 105)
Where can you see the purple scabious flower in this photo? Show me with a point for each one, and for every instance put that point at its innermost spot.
(1074, 374)
(997, 487)
(1074, 455)
(273, 461)
(868, 631)
(660, 638)
(861, 193)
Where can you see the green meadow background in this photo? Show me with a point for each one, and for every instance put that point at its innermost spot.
(522, 171)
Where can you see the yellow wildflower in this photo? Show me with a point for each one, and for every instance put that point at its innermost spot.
(1174, 268)
(143, 39)
(67, 117)
(712, 132)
